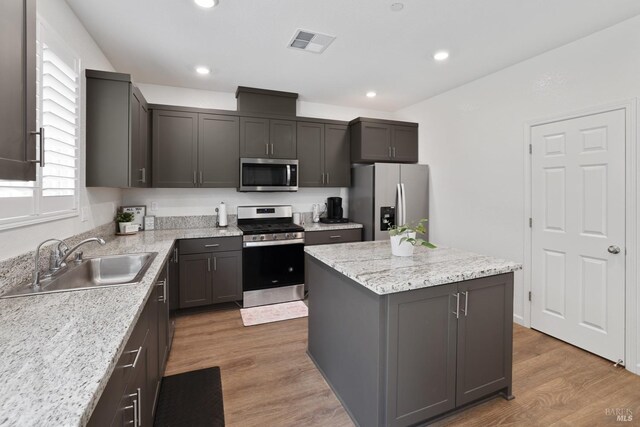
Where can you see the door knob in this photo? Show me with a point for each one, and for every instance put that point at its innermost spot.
(613, 249)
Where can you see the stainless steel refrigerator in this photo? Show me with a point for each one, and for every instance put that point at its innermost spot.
(384, 194)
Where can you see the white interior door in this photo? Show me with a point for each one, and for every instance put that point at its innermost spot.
(578, 206)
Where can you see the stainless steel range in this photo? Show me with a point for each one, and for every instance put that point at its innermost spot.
(272, 255)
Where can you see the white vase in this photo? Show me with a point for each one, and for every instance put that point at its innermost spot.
(123, 226)
(402, 249)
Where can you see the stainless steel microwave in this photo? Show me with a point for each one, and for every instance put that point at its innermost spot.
(268, 175)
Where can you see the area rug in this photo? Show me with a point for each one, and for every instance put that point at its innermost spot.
(191, 399)
(273, 313)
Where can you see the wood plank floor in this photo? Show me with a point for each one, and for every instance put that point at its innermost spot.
(268, 380)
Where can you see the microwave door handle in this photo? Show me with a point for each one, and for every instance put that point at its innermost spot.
(288, 175)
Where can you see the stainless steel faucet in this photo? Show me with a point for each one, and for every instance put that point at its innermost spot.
(58, 257)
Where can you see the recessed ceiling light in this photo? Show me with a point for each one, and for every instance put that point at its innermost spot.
(206, 3)
(441, 55)
(397, 7)
(202, 70)
(371, 94)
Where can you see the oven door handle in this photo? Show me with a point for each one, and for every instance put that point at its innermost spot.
(288, 175)
(272, 243)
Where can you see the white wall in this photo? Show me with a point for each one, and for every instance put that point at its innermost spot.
(100, 202)
(473, 136)
(202, 201)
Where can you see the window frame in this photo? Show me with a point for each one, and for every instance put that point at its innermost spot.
(37, 216)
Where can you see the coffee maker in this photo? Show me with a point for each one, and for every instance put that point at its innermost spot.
(334, 211)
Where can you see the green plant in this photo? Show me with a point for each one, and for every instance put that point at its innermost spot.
(417, 227)
(124, 217)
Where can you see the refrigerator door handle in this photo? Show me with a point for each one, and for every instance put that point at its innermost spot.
(399, 212)
(404, 204)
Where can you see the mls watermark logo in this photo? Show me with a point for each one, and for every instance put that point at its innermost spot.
(620, 414)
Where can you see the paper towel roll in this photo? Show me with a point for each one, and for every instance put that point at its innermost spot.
(222, 215)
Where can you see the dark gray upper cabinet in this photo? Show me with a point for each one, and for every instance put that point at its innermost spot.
(175, 148)
(282, 139)
(267, 138)
(337, 164)
(218, 151)
(18, 89)
(254, 137)
(193, 149)
(311, 154)
(323, 152)
(117, 132)
(376, 140)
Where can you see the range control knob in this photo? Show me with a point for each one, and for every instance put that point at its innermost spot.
(275, 237)
(262, 237)
(287, 236)
(254, 238)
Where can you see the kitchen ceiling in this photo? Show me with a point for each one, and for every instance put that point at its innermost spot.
(245, 42)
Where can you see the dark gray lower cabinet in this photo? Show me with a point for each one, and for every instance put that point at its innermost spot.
(210, 277)
(131, 393)
(406, 358)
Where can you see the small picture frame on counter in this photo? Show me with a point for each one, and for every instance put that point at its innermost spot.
(138, 212)
(150, 222)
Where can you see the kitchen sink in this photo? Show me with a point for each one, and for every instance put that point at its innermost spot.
(91, 273)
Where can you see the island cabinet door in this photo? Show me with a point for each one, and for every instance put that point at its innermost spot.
(485, 339)
(421, 361)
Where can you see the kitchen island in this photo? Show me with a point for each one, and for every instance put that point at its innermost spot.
(405, 340)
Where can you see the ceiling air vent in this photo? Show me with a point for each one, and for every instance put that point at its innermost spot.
(310, 41)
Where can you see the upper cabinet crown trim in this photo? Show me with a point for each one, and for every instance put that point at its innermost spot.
(382, 121)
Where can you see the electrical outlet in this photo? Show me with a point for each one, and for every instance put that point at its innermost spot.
(154, 206)
(84, 214)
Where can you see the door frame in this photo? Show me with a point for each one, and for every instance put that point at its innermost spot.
(632, 219)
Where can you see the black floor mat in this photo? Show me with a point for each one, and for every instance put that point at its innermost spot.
(191, 399)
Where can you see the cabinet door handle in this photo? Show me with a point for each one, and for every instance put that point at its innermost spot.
(272, 148)
(266, 148)
(215, 263)
(41, 159)
(323, 177)
(394, 152)
(175, 255)
(466, 303)
(143, 175)
(390, 152)
(135, 361)
(163, 298)
(200, 177)
(209, 265)
(335, 237)
(195, 180)
(457, 312)
(213, 245)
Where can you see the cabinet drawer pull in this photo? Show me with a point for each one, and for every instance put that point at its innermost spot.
(213, 245)
(135, 361)
(335, 237)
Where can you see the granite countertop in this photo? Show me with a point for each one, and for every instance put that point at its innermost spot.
(319, 226)
(372, 265)
(57, 351)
